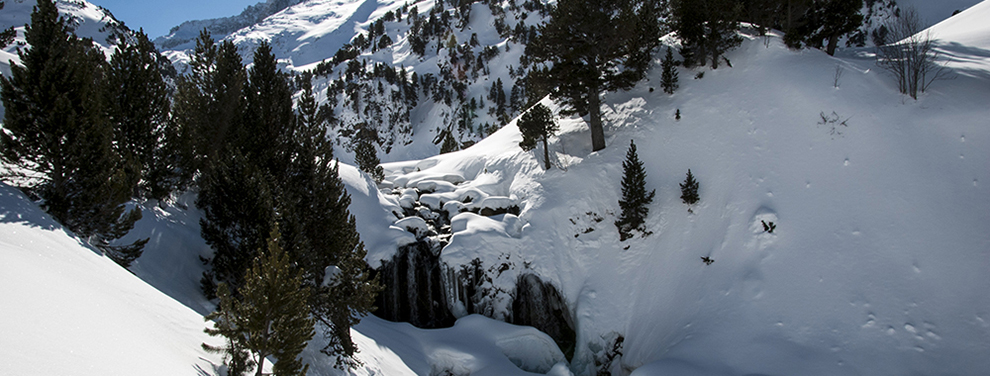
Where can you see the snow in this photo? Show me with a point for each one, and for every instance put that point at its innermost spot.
(877, 264)
(475, 345)
(932, 12)
(63, 298)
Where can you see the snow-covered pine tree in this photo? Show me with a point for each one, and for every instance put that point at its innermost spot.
(537, 124)
(689, 189)
(56, 125)
(635, 199)
(668, 77)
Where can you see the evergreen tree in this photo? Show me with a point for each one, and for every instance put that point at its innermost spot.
(635, 199)
(449, 142)
(668, 78)
(825, 21)
(138, 105)
(275, 311)
(689, 189)
(226, 324)
(537, 124)
(320, 233)
(265, 134)
(238, 213)
(707, 29)
(243, 173)
(208, 104)
(365, 154)
(596, 46)
(56, 126)
(272, 316)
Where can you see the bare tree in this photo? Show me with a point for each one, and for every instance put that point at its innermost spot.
(910, 55)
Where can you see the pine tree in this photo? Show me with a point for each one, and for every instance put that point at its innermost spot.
(275, 311)
(635, 199)
(689, 189)
(365, 154)
(265, 134)
(537, 124)
(596, 46)
(272, 316)
(208, 104)
(449, 142)
(238, 213)
(707, 29)
(319, 232)
(668, 78)
(242, 181)
(825, 21)
(138, 105)
(56, 126)
(226, 324)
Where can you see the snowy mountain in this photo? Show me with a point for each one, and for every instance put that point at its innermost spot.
(415, 73)
(89, 21)
(877, 264)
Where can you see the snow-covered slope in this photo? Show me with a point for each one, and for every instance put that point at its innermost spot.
(184, 35)
(67, 310)
(877, 266)
(933, 12)
(423, 95)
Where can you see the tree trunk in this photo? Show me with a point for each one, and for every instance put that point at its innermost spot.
(546, 153)
(261, 366)
(595, 117)
(833, 42)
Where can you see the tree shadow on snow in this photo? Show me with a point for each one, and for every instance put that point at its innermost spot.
(15, 207)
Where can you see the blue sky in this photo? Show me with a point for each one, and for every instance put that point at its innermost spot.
(158, 16)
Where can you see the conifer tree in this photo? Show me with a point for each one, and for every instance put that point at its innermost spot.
(596, 46)
(271, 318)
(320, 233)
(56, 126)
(138, 105)
(238, 213)
(208, 104)
(668, 78)
(707, 29)
(265, 134)
(242, 174)
(824, 22)
(689, 189)
(365, 154)
(635, 199)
(275, 311)
(537, 124)
(226, 324)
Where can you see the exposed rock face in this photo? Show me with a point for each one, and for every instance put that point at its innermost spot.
(414, 290)
(540, 305)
